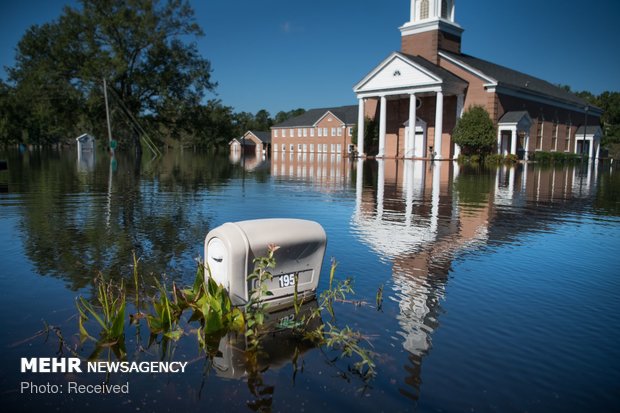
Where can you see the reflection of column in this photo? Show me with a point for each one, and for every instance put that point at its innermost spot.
(438, 124)
(360, 128)
(410, 139)
(380, 188)
(409, 177)
(359, 185)
(460, 104)
(382, 125)
(435, 198)
(524, 178)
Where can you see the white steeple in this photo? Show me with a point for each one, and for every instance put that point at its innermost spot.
(431, 27)
(422, 10)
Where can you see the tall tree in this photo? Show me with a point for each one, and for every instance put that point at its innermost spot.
(139, 46)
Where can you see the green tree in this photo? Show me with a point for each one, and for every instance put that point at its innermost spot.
(282, 116)
(475, 132)
(141, 47)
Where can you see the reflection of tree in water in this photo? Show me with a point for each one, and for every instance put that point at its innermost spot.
(73, 228)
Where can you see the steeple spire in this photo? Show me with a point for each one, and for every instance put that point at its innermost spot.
(431, 27)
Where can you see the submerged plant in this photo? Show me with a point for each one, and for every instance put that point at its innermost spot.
(109, 314)
(256, 307)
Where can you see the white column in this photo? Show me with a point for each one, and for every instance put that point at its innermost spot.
(409, 141)
(591, 149)
(438, 124)
(598, 150)
(460, 105)
(360, 128)
(526, 155)
(382, 123)
(412, 11)
(513, 141)
(499, 141)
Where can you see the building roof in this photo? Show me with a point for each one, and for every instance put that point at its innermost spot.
(263, 136)
(438, 71)
(589, 130)
(347, 114)
(513, 117)
(519, 81)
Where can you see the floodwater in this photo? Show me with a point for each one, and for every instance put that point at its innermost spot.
(501, 286)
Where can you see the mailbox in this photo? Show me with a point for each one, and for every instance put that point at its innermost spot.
(230, 250)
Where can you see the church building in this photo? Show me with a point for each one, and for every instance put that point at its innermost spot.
(417, 94)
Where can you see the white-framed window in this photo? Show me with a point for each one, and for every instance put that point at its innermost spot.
(325, 148)
(275, 148)
(275, 133)
(284, 133)
(312, 132)
(332, 148)
(325, 132)
(333, 131)
(283, 147)
(339, 131)
(350, 131)
(292, 133)
(339, 148)
(540, 134)
(320, 132)
(311, 148)
(299, 132)
(299, 147)
(292, 148)
(305, 148)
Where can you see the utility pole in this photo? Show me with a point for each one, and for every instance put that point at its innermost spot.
(107, 115)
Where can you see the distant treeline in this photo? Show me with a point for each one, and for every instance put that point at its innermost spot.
(158, 83)
(609, 102)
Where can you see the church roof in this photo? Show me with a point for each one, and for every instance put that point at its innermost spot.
(518, 81)
(590, 130)
(438, 71)
(347, 114)
(513, 117)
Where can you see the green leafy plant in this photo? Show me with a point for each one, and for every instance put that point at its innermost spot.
(256, 308)
(109, 315)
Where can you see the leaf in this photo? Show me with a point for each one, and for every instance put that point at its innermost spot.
(118, 325)
(174, 335)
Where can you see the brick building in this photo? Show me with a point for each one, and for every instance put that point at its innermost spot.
(430, 82)
(326, 131)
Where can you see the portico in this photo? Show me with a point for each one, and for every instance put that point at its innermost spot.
(413, 81)
(513, 134)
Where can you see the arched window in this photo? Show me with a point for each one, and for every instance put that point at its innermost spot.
(446, 8)
(424, 9)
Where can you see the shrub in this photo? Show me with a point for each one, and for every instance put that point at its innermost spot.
(475, 132)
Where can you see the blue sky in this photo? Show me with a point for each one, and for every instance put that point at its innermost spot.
(285, 54)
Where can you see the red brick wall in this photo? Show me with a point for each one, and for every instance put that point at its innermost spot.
(332, 138)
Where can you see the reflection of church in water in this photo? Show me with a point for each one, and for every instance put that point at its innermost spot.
(421, 215)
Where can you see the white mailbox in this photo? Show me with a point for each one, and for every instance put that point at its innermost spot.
(230, 250)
